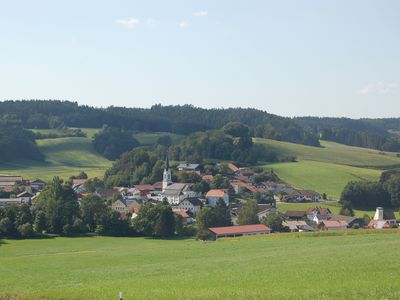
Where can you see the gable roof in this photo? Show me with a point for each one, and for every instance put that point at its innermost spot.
(388, 215)
(188, 166)
(333, 224)
(233, 168)
(239, 229)
(207, 177)
(78, 181)
(216, 193)
(295, 213)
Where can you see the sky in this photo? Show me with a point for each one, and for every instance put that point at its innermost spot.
(291, 58)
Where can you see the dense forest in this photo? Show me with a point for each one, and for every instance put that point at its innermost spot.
(381, 134)
(184, 119)
(16, 142)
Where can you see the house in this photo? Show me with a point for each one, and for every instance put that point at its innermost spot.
(348, 219)
(37, 184)
(247, 172)
(208, 178)
(238, 186)
(333, 225)
(189, 168)
(176, 192)
(232, 169)
(296, 215)
(107, 194)
(244, 230)
(25, 197)
(383, 219)
(310, 196)
(293, 196)
(7, 183)
(13, 201)
(78, 181)
(324, 213)
(134, 209)
(263, 210)
(187, 218)
(190, 204)
(119, 206)
(213, 196)
(296, 226)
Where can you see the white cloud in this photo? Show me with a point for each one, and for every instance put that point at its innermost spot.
(380, 88)
(201, 13)
(128, 23)
(183, 24)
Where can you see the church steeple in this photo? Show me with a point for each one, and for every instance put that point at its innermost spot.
(167, 176)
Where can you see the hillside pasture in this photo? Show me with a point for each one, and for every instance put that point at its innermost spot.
(322, 177)
(283, 266)
(63, 157)
(334, 153)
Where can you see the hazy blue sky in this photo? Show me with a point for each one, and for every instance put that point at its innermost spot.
(327, 58)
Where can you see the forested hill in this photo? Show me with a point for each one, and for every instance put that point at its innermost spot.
(177, 119)
(381, 134)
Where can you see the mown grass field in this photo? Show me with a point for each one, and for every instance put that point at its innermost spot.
(329, 168)
(63, 157)
(322, 177)
(335, 153)
(288, 266)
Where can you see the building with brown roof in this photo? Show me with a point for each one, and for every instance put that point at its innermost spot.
(244, 230)
(214, 195)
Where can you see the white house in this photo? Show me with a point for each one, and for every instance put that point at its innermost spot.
(190, 204)
(213, 196)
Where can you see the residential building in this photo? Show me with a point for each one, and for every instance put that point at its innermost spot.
(213, 196)
(333, 225)
(190, 204)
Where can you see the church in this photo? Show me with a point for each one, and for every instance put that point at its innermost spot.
(175, 193)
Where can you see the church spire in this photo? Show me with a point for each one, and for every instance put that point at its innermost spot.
(167, 176)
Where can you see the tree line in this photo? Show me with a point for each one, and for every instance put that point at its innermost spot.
(369, 194)
(180, 119)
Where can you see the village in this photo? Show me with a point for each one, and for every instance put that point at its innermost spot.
(187, 202)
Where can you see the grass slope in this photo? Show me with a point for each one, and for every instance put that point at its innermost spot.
(64, 157)
(335, 153)
(274, 267)
(322, 177)
(329, 168)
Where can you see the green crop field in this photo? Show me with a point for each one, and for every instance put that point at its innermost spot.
(329, 168)
(284, 266)
(64, 157)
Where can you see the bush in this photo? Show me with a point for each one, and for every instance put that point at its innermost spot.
(25, 230)
(205, 235)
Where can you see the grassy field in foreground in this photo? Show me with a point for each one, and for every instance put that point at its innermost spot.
(64, 157)
(322, 177)
(272, 267)
(335, 153)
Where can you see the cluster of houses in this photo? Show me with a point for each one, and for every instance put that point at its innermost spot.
(187, 202)
(31, 188)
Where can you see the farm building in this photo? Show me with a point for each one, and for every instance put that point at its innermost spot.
(244, 230)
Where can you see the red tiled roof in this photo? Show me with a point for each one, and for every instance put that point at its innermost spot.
(216, 193)
(181, 212)
(233, 168)
(157, 185)
(239, 229)
(332, 224)
(78, 181)
(144, 187)
(208, 177)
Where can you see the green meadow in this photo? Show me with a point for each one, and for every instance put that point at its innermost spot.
(327, 169)
(68, 156)
(284, 266)
(63, 157)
